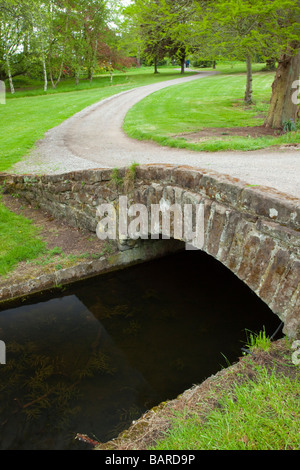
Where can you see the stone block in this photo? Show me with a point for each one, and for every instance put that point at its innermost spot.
(221, 189)
(286, 235)
(274, 275)
(154, 173)
(261, 203)
(232, 219)
(215, 229)
(234, 258)
(250, 249)
(287, 288)
(187, 178)
(292, 318)
(261, 262)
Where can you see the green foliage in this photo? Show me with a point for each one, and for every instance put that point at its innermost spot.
(162, 28)
(30, 121)
(19, 240)
(213, 102)
(258, 340)
(289, 126)
(116, 177)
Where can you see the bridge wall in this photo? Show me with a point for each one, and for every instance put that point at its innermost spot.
(254, 231)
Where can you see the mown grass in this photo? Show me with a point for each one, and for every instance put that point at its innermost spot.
(25, 118)
(19, 240)
(213, 102)
(28, 114)
(260, 414)
(260, 411)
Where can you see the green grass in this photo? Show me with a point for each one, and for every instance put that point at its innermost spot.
(209, 102)
(260, 414)
(25, 118)
(28, 114)
(19, 240)
(213, 102)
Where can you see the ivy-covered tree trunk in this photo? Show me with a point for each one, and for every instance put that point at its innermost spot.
(282, 106)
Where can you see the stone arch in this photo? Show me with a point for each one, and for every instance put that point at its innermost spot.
(253, 231)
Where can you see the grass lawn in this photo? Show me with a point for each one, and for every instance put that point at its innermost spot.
(259, 414)
(19, 240)
(209, 102)
(25, 118)
(213, 102)
(29, 113)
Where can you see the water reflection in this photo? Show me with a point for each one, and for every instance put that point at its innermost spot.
(97, 357)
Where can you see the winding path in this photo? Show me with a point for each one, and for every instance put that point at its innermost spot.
(93, 138)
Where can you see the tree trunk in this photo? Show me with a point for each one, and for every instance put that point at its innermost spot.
(282, 106)
(52, 79)
(155, 65)
(77, 77)
(182, 63)
(12, 89)
(111, 71)
(249, 92)
(60, 72)
(45, 74)
(139, 57)
(95, 53)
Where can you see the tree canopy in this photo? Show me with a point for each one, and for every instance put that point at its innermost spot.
(56, 38)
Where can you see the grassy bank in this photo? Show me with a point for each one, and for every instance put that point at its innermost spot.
(19, 240)
(251, 405)
(170, 116)
(25, 118)
(260, 411)
(260, 414)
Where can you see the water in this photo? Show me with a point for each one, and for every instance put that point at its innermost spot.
(97, 356)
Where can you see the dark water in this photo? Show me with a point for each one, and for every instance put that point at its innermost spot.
(95, 357)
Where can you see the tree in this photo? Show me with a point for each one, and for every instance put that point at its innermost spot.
(237, 30)
(287, 35)
(242, 29)
(180, 14)
(15, 21)
(159, 24)
(152, 16)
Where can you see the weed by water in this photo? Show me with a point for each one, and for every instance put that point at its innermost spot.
(258, 340)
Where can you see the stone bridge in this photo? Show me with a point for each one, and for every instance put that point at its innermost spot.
(254, 231)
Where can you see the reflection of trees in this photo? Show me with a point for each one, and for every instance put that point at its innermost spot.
(43, 388)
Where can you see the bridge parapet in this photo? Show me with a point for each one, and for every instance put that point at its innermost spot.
(253, 230)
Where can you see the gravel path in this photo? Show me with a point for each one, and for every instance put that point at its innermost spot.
(93, 138)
